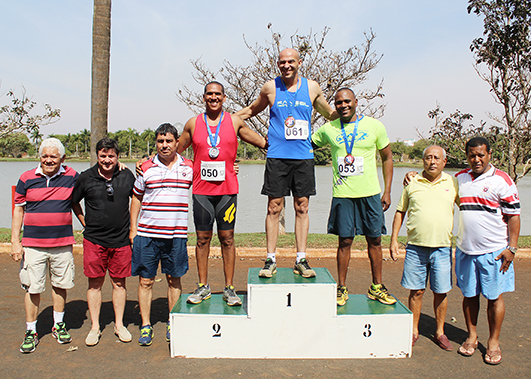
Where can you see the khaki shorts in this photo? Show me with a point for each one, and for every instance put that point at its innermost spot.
(38, 261)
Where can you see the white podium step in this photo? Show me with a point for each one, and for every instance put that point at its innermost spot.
(290, 317)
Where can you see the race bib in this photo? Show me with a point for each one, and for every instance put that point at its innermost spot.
(350, 169)
(298, 131)
(213, 171)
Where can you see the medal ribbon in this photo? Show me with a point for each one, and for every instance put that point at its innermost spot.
(348, 146)
(213, 139)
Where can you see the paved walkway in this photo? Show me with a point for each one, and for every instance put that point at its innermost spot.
(113, 358)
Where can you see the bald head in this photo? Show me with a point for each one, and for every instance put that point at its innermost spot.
(289, 53)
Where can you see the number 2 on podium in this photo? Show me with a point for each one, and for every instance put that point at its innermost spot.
(217, 330)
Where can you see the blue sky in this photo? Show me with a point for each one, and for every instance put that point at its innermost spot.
(46, 47)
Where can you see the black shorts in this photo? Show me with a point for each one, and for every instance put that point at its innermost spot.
(222, 208)
(283, 177)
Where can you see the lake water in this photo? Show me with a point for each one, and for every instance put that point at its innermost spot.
(252, 205)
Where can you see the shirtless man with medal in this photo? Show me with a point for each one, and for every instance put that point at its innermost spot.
(289, 167)
(213, 136)
(357, 208)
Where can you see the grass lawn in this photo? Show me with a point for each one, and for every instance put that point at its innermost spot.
(315, 241)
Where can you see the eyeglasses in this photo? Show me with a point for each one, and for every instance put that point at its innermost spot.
(110, 189)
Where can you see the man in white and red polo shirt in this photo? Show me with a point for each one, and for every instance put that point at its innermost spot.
(489, 225)
(160, 198)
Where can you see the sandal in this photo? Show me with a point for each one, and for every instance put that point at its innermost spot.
(467, 349)
(493, 357)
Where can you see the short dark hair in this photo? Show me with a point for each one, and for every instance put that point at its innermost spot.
(167, 128)
(107, 143)
(346, 89)
(477, 141)
(214, 82)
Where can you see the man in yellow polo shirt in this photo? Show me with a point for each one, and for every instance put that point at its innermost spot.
(429, 202)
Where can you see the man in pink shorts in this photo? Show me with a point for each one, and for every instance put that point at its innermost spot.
(106, 190)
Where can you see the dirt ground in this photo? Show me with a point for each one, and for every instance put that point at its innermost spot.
(111, 358)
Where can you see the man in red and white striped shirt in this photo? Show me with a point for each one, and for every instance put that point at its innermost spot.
(43, 204)
(159, 221)
(489, 225)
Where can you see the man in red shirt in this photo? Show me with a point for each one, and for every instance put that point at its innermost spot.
(213, 136)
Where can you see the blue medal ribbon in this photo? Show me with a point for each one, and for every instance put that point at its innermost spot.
(348, 146)
(213, 139)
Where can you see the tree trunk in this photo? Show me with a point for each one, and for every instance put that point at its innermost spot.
(101, 48)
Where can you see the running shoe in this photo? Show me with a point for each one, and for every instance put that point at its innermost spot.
(342, 295)
(380, 293)
(168, 331)
(31, 340)
(202, 292)
(229, 295)
(60, 333)
(269, 269)
(303, 268)
(146, 335)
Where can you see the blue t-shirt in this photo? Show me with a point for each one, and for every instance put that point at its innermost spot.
(279, 146)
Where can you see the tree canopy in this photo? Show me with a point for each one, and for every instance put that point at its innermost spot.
(19, 115)
(331, 69)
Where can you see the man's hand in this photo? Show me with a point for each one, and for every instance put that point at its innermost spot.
(393, 250)
(409, 177)
(132, 235)
(138, 165)
(121, 166)
(507, 257)
(17, 252)
(386, 201)
(236, 167)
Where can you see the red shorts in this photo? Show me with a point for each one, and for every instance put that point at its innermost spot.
(98, 259)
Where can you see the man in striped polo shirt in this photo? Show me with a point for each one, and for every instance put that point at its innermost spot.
(159, 224)
(489, 225)
(43, 204)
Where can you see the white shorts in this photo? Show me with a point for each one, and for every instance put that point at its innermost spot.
(38, 261)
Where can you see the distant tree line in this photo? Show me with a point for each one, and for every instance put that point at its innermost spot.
(132, 144)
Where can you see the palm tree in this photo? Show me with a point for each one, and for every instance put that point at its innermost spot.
(101, 50)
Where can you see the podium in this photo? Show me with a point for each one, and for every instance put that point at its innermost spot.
(288, 316)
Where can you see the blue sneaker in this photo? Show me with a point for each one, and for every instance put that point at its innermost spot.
(168, 331)
(146, 335)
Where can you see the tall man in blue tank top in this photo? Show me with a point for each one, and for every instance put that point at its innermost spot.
(290, 165)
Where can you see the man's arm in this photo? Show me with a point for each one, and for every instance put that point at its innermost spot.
(319, 103)
(248, 135)
(78, 211)
(265, 98)
(136, 204)
(17, 251)
(185, 139)
(397, 224)
(387, 167)
(513, 227)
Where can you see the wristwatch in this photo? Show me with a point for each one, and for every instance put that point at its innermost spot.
(512, 249)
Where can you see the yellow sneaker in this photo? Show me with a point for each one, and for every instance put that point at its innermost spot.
(342, 295)
(380, 293)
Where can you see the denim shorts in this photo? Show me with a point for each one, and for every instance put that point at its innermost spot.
(481, 274)
(422, 262)
(170, 252)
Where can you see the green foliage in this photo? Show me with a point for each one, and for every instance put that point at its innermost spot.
(15, 144)
(503, 61)
(322, 156)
